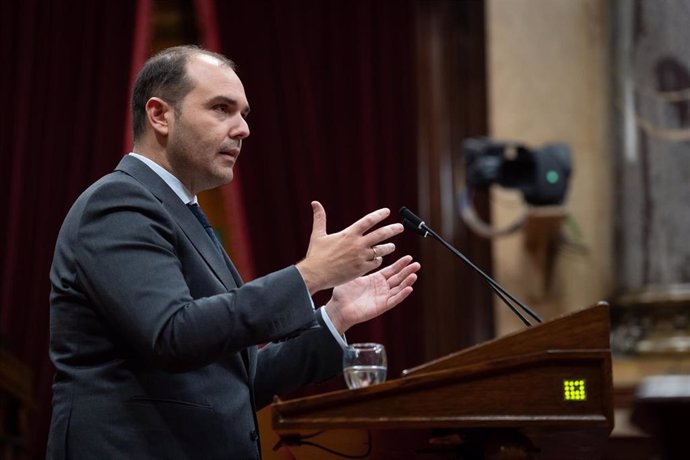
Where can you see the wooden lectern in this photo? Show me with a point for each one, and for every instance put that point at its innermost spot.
(542, 393)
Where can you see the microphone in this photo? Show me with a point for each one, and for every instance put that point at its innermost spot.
(413, 222)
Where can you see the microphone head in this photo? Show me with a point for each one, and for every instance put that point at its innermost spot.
(413, 222)
(410, 226)
(412, 217)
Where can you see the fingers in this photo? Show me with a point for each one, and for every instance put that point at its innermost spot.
(376, 262)
(399, 297)
(408, 281)
(399, 278)
(400, 283)
(383, 233)
(365, 223)
(400, 275)
(319, 223)
(382, 250)
(395, 267)
(399, 270)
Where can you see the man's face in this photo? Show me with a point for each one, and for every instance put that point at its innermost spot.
(205, 136)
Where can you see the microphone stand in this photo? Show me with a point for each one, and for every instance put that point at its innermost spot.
(412, 222)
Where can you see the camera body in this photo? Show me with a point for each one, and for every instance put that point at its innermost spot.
(542, 174)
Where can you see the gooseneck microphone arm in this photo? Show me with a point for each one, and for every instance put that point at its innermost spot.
(413, 222)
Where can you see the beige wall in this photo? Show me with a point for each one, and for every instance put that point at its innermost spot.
(549, 70)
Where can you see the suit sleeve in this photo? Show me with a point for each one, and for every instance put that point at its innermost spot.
(313, 356)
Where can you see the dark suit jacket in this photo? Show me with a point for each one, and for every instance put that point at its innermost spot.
(154, 336)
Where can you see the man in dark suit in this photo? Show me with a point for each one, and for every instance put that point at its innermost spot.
(153, 334)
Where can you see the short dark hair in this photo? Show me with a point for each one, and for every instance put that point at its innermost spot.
(165, 76)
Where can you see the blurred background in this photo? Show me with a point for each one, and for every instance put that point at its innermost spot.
(370, 103)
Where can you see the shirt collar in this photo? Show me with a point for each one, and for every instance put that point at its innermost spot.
(173, 182)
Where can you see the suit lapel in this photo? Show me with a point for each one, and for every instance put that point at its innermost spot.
(220, 264)
(235, 274)
(203, 244)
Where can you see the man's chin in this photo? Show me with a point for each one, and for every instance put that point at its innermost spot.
(216, 181)
(225, 177)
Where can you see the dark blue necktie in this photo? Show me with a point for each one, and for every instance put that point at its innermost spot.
(196, 210)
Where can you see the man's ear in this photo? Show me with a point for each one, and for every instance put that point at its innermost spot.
(158, 114)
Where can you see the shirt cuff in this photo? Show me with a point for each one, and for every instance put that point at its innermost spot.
(342, 341)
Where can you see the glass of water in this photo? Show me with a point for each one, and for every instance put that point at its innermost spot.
(364, 364)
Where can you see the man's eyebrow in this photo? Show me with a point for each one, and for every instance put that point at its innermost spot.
(229, 101)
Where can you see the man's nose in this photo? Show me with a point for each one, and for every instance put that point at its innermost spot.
(240, 130)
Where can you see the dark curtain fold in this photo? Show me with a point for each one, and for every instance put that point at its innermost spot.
(64, 86)
(332, 90)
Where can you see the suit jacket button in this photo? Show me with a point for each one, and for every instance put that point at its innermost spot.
(254, 435)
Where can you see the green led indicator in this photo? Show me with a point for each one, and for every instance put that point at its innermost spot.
(575, 390)
(552, 177)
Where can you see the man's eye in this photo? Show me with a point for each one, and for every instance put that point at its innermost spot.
(221, 108)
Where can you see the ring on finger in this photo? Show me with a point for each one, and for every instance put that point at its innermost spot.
(373, 248)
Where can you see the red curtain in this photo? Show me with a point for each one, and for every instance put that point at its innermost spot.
(64, 85)
(332, 90)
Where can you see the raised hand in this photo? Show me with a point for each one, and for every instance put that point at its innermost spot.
(340, 257)
(369, 296)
